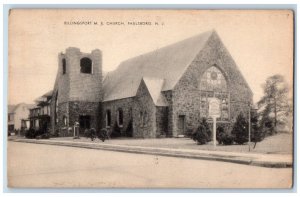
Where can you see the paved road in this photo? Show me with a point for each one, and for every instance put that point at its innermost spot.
(37, 165)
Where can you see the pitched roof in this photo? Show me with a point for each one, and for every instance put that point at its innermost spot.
(168, 63)
(48, 94)
(11, 108)
(33, 106)
(154, 86)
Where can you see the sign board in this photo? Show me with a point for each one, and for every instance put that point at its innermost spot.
(214, 108)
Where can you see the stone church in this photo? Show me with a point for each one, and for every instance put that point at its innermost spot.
(161, 93)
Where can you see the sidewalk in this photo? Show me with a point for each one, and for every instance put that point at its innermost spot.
(255, 159)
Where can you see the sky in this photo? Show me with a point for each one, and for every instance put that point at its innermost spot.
(260, 42)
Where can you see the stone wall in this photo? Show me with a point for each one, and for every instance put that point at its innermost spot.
(63, 111)
(161, 121)
(126, 106)
(186, 94)
(71, 111)
(78, 108)
(83, 86)
(144, 125)
(82, 91)
(169, 98)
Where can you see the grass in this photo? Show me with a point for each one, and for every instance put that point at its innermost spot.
(278, 144)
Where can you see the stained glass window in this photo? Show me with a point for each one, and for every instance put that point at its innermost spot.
(213, 80)
(213, 84)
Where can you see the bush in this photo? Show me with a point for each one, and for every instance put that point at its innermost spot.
(227, 139)
(90, 133)
(116, 131)
(43, 136)
(30, 133)
(203, 134)
(240, 130)
(87, 133)
(220, 133)
(103, 134)
(190, 132)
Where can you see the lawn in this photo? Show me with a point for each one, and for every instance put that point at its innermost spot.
(277, 144)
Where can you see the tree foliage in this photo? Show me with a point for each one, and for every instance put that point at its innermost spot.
(274, 106)
(257, 134)
(240, 130)
(203, 134)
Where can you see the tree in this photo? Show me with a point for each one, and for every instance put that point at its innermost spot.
(257, 133)
(203, 134)
(274, 105)
(240, 130)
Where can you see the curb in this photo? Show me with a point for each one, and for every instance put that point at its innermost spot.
(245, 160)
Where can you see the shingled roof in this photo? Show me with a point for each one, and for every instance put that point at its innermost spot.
(167, 63)
(11, 108)
(154, 87)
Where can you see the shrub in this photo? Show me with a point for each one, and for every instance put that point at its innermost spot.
(257, 134)
(220, 133)
(87, 133)
(190, 132)
(203, 134)
(240, 130)
(43, 136)
(116, 131)
(90, 133)
(103, 134)
(30, 133)
(227, 139)
(56, 133)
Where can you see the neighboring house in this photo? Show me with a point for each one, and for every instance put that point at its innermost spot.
(16, 115)
(161, 93)
(40, 112)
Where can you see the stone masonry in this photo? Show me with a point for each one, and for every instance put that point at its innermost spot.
(81, 95)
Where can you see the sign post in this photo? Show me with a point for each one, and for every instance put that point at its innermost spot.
(214, 112)
(76, 130)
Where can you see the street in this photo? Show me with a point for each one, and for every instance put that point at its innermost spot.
(37, 165)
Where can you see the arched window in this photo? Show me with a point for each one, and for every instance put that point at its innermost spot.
(64, 66)
(213, 83)
(108, 118)
(120, 117)
(145, 118)
(141, 118)
(65, 121)
(86, 65)
(213, 80)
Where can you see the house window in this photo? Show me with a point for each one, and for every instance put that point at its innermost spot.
(120, 117)
(86, 65)
(64, 65)
(108, 118)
